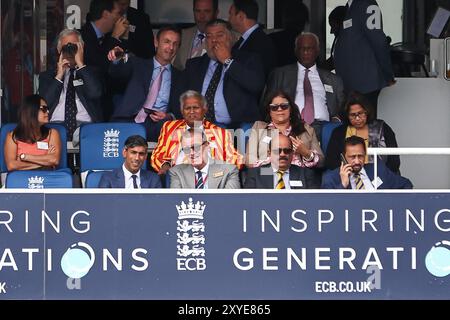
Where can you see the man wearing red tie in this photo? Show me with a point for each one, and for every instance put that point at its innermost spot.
(318, 93)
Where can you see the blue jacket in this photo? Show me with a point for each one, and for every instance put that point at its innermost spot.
(332, 179)
(116, 179)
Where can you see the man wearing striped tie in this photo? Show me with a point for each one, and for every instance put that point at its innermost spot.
(280, 173)
(202, 172)
(354, 174)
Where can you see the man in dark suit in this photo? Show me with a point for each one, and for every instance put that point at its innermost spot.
(53, 84)
(280, 173)
(362, 54)
(354, 174)
(326, 88)
(101, 33)
(151, 96)
(238, 79)
(139, 37)
(131, 175)
(243, 17)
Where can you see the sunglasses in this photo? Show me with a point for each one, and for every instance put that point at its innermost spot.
(43, 109)
(281, 150)
(282, 106)
(194, 147)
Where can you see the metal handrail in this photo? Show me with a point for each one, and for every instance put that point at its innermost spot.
(446, 60)
(402, 151)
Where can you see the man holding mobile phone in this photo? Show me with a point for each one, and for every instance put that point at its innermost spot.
(354, 174)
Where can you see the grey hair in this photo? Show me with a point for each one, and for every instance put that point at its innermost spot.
(303, 34)
(192, 94)
(67, 32)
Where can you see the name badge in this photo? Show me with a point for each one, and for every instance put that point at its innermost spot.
(267, 139)
(298, 183)
(377, 182)
(218, 174)
(328, 88)
(347, 23)
(42, 145)
(78, 82)
(132, 28)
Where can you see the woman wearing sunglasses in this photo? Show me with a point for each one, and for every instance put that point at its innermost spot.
(282, 114)
(360, 122)
(31, 145)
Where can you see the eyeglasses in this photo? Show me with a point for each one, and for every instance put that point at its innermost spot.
(361, 114)
(194, 147)
(43, 109)
(281, 150)
(282, 106)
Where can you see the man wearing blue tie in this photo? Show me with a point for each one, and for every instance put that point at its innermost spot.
(354, 174)
(131, 175)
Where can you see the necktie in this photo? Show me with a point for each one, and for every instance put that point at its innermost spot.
(280, 183)
(151, 97)
(70, 112)
(135, 186)
(199, 184)
(197, 48)
(359, 184)
(211, 92)
(238, 43)
(308, 108)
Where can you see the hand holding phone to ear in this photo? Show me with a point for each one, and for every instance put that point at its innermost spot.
(345, 171)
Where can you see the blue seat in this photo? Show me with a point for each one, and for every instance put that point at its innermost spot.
(93, 178)
(327, 129)
(101, 144)
(6, 128)
(34, 179)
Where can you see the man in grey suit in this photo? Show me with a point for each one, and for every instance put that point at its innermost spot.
(131, 175)
(280, 173)
(326, 88)
(202, 172)
(193, 40)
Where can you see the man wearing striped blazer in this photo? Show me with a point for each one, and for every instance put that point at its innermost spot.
(168, 151)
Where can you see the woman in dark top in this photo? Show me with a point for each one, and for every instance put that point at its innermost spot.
(360, 122)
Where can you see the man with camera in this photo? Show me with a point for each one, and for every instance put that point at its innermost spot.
(73, 91)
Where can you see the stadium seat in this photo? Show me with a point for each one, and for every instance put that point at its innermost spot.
(327, 129)
(5, 129)
(101, 144)
(93, 178)
(34, 179)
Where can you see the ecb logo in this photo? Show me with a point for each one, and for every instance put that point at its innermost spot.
(190, 236)
(111, 144)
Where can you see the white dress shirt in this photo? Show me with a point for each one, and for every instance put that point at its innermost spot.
(365, 179)
(60, 110)
(129, 179)
(204, 175)
(318, 89)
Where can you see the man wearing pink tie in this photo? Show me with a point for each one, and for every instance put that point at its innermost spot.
(318, 92)
(151, 97)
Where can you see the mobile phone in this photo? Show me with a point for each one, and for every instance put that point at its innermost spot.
(343, 159)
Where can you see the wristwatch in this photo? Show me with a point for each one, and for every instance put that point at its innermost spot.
(22, 156)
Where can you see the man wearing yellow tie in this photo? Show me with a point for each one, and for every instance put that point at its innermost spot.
(353, 174)
(280, 173)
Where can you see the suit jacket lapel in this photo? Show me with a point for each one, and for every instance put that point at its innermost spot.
(148, 74)
(120, 178)
(291, 83)
(266, 179)
(214, 178)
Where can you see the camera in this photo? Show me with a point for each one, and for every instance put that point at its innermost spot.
(69, 49)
